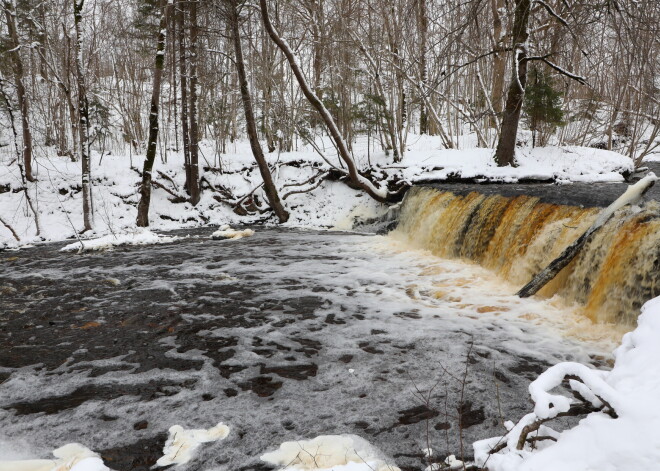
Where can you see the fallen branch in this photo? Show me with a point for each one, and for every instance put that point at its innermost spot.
(11, 229)
(632, 196)
(307, 190)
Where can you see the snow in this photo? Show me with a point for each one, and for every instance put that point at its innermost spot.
(138, 237)
(226, 232)
(599, 441)
(182, 444)
(631, 196)
(71, 457)
(329, 452)
(569, 164)
(58, 198)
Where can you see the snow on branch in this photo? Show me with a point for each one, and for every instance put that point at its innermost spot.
(577, 78)
(620, 413)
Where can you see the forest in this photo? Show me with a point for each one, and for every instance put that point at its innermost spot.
(148, 78)
(329, 235)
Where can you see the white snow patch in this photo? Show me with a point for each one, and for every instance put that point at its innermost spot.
(598, 442)
(138, 237)
(329, 452)
(71, 457)
(226, 232)
(181, 445)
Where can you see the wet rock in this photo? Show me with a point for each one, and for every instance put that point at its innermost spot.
(469, 416)
(416, 414)
(346, 358)
(297, 372)
(141, 425)
(262, 386)
(138, 456)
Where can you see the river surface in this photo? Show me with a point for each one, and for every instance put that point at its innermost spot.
(285, 335)
(573, 194)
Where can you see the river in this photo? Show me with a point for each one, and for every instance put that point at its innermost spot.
(285, 335)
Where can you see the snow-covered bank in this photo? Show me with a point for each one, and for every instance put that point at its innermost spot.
(311, 201)
(562, 164)
(622, 437)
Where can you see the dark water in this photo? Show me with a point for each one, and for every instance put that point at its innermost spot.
(111, 349)
(574, 194)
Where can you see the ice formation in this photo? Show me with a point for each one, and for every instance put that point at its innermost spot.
(226, 232)
(71, 457)
(139, 237)
(325, 452)
(599, 441)
(182, 444)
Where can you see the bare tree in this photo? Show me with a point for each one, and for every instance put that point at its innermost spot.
(193, 183)
(506, 146)
(83, 116)
(234, 20)
(9, 7)
(145, 187)
(357, 179)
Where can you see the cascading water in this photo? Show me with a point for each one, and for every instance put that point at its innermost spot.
(613, 275)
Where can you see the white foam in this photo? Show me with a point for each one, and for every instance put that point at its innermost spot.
(70, 457)
(182, 444)
(336, 452)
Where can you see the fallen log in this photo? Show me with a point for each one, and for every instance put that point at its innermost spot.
(631, 196)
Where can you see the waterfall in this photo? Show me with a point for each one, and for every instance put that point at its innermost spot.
(516, 237)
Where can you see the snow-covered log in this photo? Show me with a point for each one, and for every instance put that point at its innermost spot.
(620, 429)
(631, 196)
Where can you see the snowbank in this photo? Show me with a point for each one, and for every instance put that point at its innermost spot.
(312, 202)
(329, 452)
(139, 237)
(71, 457)
(598, 442)
(568, 164)
(182, 444)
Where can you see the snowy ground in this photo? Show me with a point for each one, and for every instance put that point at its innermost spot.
(623, 437)
(57, 193)
(285, 335)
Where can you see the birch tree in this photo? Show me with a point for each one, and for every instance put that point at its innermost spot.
(83, 117)
(9, 7)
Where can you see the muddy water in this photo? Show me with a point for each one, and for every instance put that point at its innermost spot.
(284, 335)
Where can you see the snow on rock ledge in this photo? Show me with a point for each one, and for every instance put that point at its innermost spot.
(139, 237)
(329, 452)
(71, 457)
(599, 442)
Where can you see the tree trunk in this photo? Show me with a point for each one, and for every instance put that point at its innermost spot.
(145, 188)
(358, 180)
(10, 14)
(83, 116)
(269, 185)
(183, 72)
(12, 123)
(499, 59)
(194, 129)
(506, 146)
(423, 70)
